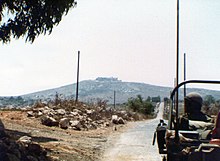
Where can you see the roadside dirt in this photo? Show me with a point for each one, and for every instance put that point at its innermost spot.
(60, 144)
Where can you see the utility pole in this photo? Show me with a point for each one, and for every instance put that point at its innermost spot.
(184, 74)
(114, 98)
(77, 82)
(177, 73)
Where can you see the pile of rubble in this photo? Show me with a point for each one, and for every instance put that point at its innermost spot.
(21, 149)
(79, 116)
(63, 114)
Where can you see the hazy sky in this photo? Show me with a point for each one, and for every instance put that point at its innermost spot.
(131, 40)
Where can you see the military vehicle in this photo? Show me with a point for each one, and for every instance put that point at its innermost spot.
(196, 142)
(186, 138)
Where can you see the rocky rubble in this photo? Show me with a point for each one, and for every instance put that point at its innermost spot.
(63, 114)
(23, 149)
(79, 116)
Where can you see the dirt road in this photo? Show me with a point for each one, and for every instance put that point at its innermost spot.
(135, 144)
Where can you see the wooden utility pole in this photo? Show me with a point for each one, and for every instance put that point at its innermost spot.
(114, 98)
(184, 74)
(177, 72)
(77, 82)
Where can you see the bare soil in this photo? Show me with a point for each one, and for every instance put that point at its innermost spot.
(60, 144)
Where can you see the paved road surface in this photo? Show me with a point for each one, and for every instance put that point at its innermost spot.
(135, 144)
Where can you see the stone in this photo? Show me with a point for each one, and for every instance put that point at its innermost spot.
(60, 111)
(76, 124)
(3, 149)
(106, 124)
(31, 158)
(76, 110)
(89, 112)
(46, 111)
(121, 120)
(34, 148)
(49, 121)
(12, 157)
(93, 125)
(64, 123)
(30, 114)
(88, 119)
(114, 119)
(39, 114)
(2, 130)
(74, 113)
(25, 139)
(17, 152)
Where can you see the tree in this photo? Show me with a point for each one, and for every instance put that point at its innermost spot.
(30, 18)
(209, 99)
(156, 99)
(139, 105)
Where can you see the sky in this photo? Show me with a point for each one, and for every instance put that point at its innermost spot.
(134, 41)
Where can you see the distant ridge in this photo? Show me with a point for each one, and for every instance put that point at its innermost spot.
(104, 87)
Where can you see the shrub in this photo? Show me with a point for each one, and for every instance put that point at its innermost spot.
(139, 105)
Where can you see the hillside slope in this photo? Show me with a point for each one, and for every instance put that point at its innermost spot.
(102, 88)
(91, 90)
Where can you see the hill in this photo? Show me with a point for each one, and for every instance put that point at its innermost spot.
(102, 89)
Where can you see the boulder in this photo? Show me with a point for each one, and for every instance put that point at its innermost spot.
(64, 123)
(114, 119)
(74, 113)
(121, 120)
(2, 130)
(30, 114)
(29, 157)
(11, 157)
(34, 148)
(39, 114)
(94, 125)
(89, 112)
(106, 124)
(60, 112)
(77, 111)
(76, 125)
(25, 139)
(88, 119)
(49, 121)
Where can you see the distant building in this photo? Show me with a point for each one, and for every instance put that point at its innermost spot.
(107, 79)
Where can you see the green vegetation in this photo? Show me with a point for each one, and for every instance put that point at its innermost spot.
(15, 101)
(211, 105)
(208, 100)
(140, 105)
(31, 18)
(156, 99)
